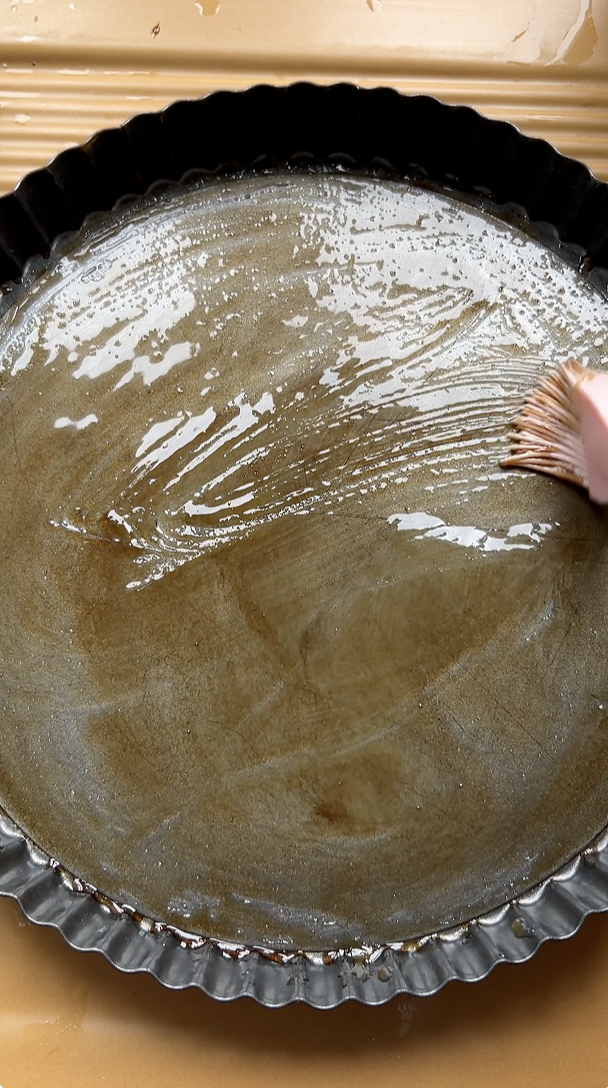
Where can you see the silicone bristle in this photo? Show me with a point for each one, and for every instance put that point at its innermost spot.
(546, 436)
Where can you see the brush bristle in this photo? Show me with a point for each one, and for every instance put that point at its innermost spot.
(546, 436)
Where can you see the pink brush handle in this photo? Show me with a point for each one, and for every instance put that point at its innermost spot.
(593, 396)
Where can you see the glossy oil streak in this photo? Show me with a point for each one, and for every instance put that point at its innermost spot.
(306, 346)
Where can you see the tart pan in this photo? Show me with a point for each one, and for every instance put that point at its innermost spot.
(383, 139)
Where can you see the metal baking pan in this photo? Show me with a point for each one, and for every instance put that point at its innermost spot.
(334, 728)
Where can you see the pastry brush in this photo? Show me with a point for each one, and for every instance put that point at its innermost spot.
(562, 429)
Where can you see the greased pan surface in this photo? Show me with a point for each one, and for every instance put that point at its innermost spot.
(316, 673)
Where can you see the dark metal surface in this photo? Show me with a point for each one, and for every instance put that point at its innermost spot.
(364, 131)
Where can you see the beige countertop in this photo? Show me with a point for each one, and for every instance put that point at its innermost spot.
(68, 69)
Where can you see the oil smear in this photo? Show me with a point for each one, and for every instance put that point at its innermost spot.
(270, 347)
(518, 537)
